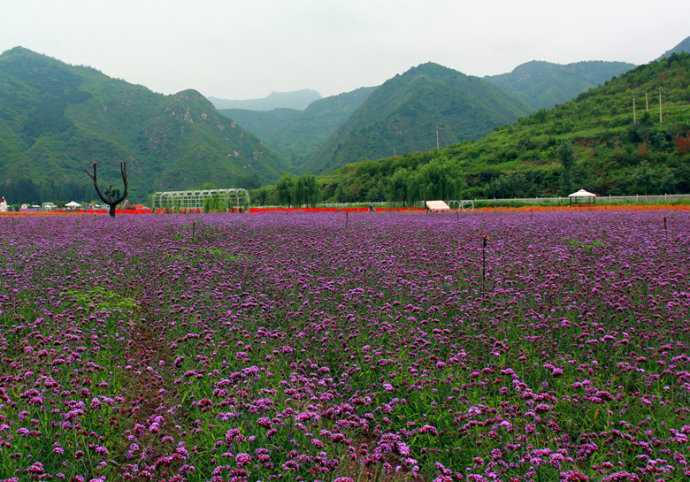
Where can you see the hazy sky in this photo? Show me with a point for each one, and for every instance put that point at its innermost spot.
(248, 48)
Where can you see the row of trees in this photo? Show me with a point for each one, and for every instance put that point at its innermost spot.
(438, 179)
(289, 191)
(657, 165)
(25, 190)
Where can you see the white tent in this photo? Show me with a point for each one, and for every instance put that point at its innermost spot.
(437, 206)
(582, 194)
(72, 205)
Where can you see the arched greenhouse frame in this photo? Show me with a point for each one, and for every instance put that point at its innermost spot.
(202, 199)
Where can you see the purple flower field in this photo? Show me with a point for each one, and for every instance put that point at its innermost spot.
(292, 347)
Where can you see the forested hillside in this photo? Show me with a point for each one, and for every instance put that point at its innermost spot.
(56, 118)
(404, 113)
(294, 135)
(405, 116)
(591, 142)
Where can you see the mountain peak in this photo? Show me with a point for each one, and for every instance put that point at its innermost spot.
(20, 51)
(532, 65)
(683, 46)
(190, 94)
(192, 97)
(430, 65)
(431, 68)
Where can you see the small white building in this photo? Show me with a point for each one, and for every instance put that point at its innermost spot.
(72, 205)
(3, 205)
(48, 206)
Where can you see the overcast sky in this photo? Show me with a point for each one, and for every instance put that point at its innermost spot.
(248, 48)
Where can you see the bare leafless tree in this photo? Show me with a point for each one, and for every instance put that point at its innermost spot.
(111, 196)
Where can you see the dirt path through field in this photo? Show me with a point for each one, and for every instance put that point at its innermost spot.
(152, 427)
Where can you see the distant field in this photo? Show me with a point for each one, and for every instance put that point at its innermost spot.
(350, 348)
(480, 206)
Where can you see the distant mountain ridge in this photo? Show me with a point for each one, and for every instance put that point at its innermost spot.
(314, 141)
(56, 118)
(294, 134)
(403, 114)
(297, 99)
(541, 84)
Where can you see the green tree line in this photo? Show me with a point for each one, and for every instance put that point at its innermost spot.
(291, 191)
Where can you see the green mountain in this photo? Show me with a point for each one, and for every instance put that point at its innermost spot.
(56, 118)
(297, 99)
(591, 142)
(404, 113)
(541, 85)
(683, 47)
(308, 139)
(294, 134)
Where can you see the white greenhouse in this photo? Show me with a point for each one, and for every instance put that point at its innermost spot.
(209, 199)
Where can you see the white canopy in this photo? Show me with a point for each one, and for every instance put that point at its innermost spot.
(582, 193)
(72, 204)
(437, 206)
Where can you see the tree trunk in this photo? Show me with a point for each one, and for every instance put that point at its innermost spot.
(112, 210)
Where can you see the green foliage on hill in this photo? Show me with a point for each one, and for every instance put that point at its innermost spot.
(297, 99)
(56, 118)
(293, 134)
(402, 116)
(542, 85)
(610, 154)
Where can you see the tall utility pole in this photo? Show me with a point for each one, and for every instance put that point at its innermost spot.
(634, 112)
(661, 113)
(646, 101)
